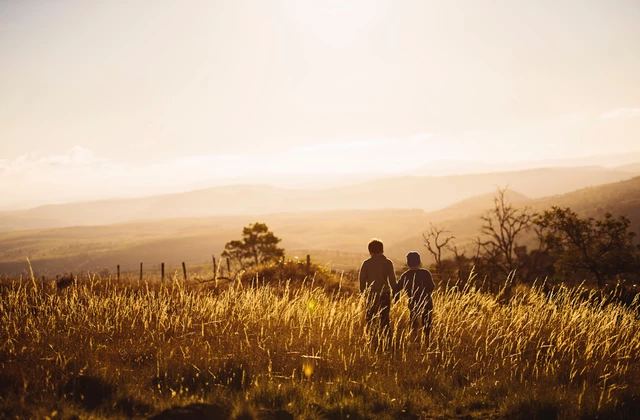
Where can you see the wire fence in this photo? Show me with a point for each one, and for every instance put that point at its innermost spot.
(189, 269)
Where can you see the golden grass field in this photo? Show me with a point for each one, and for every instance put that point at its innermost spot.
(102, 349)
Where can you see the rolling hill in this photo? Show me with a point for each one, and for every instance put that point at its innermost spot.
(339, 237)
(425, 193)
(328, 236)
(618, 198)
(633, 168)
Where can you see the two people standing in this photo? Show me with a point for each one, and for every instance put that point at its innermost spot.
(377, 278)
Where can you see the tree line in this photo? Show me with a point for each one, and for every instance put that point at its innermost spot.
(556, 243)
(513, 241)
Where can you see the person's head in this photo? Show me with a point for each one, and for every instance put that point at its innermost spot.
(375, 247)
(413, 260)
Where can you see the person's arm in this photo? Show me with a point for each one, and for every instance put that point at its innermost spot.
(401, 282)
(363, 277)
(399, 287)
(430, 285)
(391, 277)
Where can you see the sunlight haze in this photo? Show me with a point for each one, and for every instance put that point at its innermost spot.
(319, 209)
(123, 99)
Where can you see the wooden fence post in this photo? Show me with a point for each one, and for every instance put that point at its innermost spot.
(118, 272)
(214, 266)
(184, 270)
(140, 271)
(162, 270)
(308, 264)
(228, 266)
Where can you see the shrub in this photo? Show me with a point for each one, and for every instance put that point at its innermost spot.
(297, 274)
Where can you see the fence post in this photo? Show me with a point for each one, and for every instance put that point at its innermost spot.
(184, 270)
(281, 267)
(118, 278)
(229, 267)
(214, 266)
(140, 271)
(162, 270)
(308, 264)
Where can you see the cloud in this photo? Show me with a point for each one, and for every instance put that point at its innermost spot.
(77, 156)
(621, 113)
(78, 174)
(17, 165)
(84, 163)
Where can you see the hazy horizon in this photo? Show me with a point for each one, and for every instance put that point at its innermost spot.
(321, 182)
(115, 99)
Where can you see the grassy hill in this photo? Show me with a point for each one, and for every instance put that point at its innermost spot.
(425, 193)
(618, 198)
(336, 237)
(475, 205)
(104, 349)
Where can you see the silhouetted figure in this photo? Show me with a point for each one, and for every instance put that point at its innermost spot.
(377, 280)
(418, 283)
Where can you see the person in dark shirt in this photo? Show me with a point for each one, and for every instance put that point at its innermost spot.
(378, 280)
(418, 284)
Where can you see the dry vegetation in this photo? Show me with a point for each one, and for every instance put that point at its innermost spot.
(99, 349)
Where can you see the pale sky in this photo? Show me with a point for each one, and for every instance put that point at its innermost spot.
(134, 97)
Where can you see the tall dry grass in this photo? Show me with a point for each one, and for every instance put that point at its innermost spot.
(100, 349)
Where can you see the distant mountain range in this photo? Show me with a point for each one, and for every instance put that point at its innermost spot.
(336, 236)
(427, 193)
(633, 168)
(627, 161)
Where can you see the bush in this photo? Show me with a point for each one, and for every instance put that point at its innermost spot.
(297, 274)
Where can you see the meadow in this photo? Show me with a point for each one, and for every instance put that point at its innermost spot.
(298, 349)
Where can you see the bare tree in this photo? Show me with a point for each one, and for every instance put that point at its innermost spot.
(461, 260)
(436, 242)
(502, 226)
